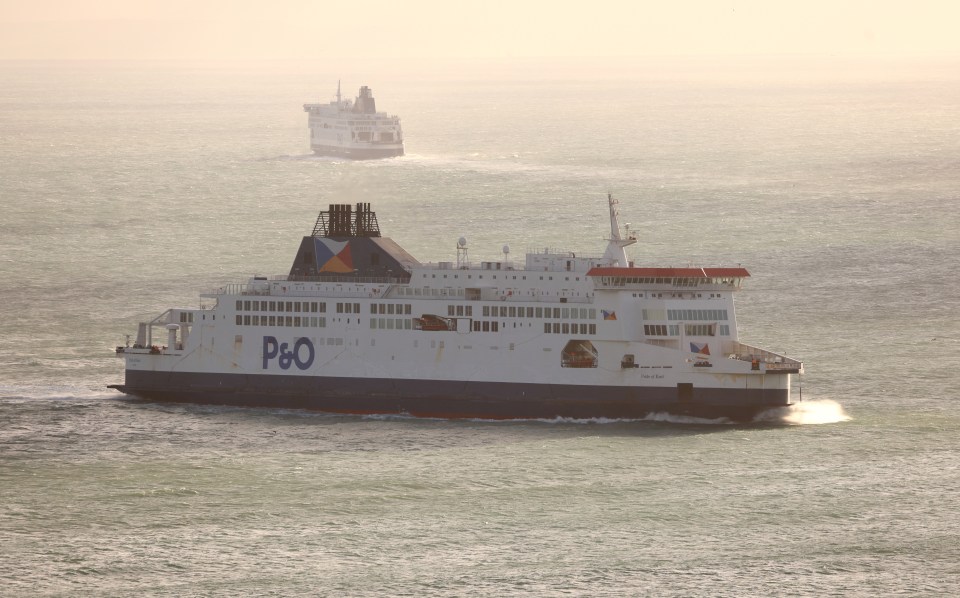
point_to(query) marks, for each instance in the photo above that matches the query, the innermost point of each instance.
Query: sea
(128, 188)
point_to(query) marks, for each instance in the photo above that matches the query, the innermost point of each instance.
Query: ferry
(360, 326)
(353, 128)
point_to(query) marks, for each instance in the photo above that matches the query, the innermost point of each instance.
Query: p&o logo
(301, 354)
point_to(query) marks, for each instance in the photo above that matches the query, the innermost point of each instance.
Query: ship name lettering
(273, 349)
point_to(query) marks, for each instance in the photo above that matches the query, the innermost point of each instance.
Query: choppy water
(126, 189)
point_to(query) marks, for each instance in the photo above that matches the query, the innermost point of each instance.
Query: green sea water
(127, 188)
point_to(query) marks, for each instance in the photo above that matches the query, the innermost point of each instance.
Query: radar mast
(616, 243)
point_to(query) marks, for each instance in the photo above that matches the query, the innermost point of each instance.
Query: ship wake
(673, 418)
(823, 411)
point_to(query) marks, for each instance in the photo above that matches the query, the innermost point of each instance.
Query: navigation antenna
(616, 243)
(462, 262)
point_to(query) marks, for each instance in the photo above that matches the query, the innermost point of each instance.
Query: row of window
(688, 329)
(460, 310)
(566, 313)
(284, 306)
(657, 330)
(697, 314)
(288, 321)
(702, 315)
(406, 324)
(702, 329)
(502, 311)
(369, 123)
(428, 292)
(678, 295)
(620, 281)
(566, 328)
(391, 323)
(391, 309)
(298, 306)
(480, 276)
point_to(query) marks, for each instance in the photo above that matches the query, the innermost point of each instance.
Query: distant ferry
(354, 129)
(359, 326)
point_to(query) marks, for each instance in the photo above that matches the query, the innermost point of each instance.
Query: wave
(503, 163)
(300, 158)
(671, 418)
(559, 420)
(55, 393)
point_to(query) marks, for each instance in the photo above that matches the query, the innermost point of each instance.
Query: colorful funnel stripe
(333, 256)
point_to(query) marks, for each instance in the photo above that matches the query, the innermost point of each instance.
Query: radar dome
(462, 242)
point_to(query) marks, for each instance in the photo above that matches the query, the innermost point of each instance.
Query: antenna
(338, 93)
(616, 243)
(462, 261)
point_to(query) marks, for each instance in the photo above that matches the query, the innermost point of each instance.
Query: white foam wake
(822, 411)
(685, 419)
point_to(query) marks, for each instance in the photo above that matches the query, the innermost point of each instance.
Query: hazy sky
(489, 29)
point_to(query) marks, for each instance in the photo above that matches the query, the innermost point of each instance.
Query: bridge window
(699, 329)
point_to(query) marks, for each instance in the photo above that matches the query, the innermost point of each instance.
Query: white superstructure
(353, 128)
(360, 326)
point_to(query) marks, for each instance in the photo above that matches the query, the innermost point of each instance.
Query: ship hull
(357, 153)
(450, 399)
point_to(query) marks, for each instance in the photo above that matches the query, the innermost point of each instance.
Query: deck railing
(771, 360)
(388, 288)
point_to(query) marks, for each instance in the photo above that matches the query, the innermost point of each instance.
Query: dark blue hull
(446, 399)
(357, 153)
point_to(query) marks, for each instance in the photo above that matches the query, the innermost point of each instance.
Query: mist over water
(128, 189)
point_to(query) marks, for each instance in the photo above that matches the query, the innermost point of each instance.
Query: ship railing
(243, 290)
(672, 284)
(755, 355)
(394, 287)
(239, 288)
(558, 252)
(342, 279)
(145, 343)
(267, 287)
(493, 298)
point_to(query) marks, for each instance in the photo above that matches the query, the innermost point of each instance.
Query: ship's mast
(338, 93)
(616, 243)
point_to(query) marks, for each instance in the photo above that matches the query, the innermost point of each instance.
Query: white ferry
(360, 326)
(354, 129)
